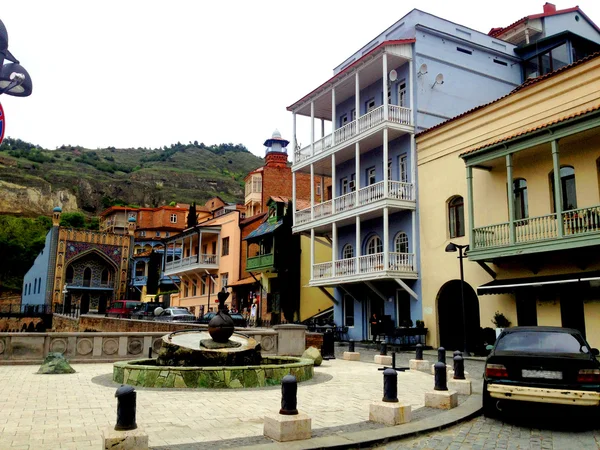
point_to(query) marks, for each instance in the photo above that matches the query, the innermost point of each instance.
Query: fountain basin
(145, 372)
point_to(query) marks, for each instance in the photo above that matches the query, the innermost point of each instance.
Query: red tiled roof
(526, 84)
(536, 128)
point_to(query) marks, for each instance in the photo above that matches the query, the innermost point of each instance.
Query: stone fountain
(219, 358)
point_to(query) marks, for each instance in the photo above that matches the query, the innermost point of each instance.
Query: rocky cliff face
(18, 199)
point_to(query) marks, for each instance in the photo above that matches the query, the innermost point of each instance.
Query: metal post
(419, 355)
(440, 377)
(390, 386)
(383, 350)
(351, 345)
(462, 298)
(459, 367)
(126, 405)
(393, 360)
(289, 391)
(457, 352)
(442, 355)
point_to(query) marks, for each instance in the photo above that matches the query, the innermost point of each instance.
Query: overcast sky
(150, 73)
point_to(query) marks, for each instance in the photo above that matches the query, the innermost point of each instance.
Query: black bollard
(289, 390)
(440, 377)
(459, 367)
(150, 352)
(393, 360)
(419, 355)
(442, 355)
(126, 405)
(390, 386)
(457, 352)
(383, 350)
(328, 348)
(351, 345)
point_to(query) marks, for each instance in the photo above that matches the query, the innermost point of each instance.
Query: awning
(264, 228)
(512, 284)
(243, 281)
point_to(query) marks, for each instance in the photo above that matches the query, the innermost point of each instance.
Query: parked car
(175, 315)
(238, 319)
(146, 310)
(122, 308)
(547, 365)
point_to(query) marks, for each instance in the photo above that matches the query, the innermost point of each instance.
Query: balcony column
(322, 128)
(312, 253)
(411, 91)
(333, 181)
(334, 247)
(191, 243)
(294, 143)
(511, 200)
(312, 128)
(385, 163)
(413, 185)
(557, 189)
(357, 172)
(357, 252)
(333, 116)
(386, 238)
(312, 192)
(357, 97)
(470, 205)
(294, 199)
(385, 87)
(199, 245)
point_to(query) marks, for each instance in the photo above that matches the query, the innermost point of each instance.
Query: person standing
(374, 320)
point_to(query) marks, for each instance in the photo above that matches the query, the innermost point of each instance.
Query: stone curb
(367, 438)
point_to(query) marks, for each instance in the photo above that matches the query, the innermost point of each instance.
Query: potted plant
(501, 322)
(420, 324)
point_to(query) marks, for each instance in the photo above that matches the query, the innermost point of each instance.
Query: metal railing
(202, 259)
(24, 309)
(67, 310)
(398, 262)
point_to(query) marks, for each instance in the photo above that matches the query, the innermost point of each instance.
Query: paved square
(70, 411)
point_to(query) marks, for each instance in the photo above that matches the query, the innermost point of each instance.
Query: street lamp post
(451, 247)
(14, 79)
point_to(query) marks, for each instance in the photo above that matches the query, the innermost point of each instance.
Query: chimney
(549, 8)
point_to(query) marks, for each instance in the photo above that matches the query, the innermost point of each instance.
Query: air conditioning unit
(352, 185)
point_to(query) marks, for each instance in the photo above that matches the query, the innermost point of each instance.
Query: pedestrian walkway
(70, 411)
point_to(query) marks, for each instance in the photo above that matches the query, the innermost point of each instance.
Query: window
(456, 217)
(224, 280)
(194, 289)
(390, 169)
(158, 234)
(35, 286)
(567, 187)
(343, 120)
(225, 246)
(318, 188)
(374, 245)
(402, 169)
(547, 62)
(203, 286)
(104, 277)
(464, 50)
(371, 176)
(353, 114)
(521, 206)
(87, 277)
(402, 93)
(347, 251)
(69, 275)
(214, 248)
(185, 290)
(173, 218)
(140, 269)
(142, 234)
(344, 185)
(167, 234)
(205, 249)
(401, 243)
(369, 105)
(348, 311)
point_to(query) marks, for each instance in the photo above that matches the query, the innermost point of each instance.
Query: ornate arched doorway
(450, 316)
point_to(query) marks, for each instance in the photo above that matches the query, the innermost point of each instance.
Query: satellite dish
(158, 311)
(439, 79)
(393, 75)
(423, 69)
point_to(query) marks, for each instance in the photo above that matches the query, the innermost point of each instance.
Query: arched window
(374, 245)
(401, 243)
(69, 275)
(456, 217)
(104, 277)
(87, 277)
(348, 251)
(567, 188)
(520, 200)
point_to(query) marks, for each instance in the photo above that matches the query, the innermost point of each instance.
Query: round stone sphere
(221, 327)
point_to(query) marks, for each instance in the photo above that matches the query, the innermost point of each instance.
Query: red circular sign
(2, 123)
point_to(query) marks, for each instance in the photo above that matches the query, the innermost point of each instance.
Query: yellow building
(528, 206)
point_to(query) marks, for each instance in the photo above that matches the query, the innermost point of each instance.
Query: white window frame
(403, 168)
(370, 105)
(389, 169)
(400, 240)
(344, 186)
(371, 176)
(374, 245)
(348, 251)
(402, 93)
(173, 218)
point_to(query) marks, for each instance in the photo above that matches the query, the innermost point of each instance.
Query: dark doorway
(526, 307)
(450, 317)
(571, 309)
(85, 304)
(102, 304)
(403, 308)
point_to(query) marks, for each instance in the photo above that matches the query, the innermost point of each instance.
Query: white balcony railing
(397, 190)
(576, 222)
(396, 114)
(367, 264)
(192, 261)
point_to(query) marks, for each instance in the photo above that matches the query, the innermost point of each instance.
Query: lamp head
(15, 80)
(450, 247)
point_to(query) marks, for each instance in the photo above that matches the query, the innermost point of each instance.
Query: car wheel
(488, 403)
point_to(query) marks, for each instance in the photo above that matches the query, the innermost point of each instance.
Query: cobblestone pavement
(70, 411)
(484, 433)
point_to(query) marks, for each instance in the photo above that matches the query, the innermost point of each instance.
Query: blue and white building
(419, 72)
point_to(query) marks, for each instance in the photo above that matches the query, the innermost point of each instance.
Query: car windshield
(540, 342)
(181, 311)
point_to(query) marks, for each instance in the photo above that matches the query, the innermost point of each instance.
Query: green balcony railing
(260, 262)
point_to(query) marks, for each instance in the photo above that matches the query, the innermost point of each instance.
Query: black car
(238, 319)
(549, 365)
(146, 310)
(175, 315)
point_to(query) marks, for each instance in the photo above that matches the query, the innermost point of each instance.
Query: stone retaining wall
(64, 324)
(314, 340)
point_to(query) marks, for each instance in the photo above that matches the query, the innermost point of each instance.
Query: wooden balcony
(260, 262)
(191, 263)
(576, 228)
